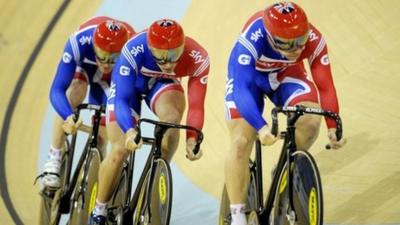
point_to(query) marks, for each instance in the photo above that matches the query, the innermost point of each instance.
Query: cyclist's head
(108, 40)
(166, 41)
(286, 25)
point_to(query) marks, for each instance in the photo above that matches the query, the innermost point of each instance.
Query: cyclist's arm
(197, 87)
(322, 76)
(62, 80)
(124, 76)
(242, 67)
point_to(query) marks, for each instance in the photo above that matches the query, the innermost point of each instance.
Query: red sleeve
(322, 76)
(197, 87)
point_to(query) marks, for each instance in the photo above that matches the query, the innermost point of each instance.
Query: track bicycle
(77, 194)
(295, 194)
(151, 201)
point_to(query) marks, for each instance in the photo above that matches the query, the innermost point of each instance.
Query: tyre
(251, 202)
(161, 199)
(306, 192)
(49, 213)
(84, 197)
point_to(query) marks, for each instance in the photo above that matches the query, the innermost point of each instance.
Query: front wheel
(85, 191)
(161, 198)
(251, 202)
(306, 192)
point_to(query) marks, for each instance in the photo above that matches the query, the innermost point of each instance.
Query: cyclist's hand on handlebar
(265, 136)
(130, 143)
(190, 147)
(70, 126)
(333, 139)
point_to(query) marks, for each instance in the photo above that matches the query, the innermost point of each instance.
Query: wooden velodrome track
(361, 182)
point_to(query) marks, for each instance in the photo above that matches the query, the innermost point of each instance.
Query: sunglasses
(164, 56)
(164, 61)
(105, 57)
(288, 45)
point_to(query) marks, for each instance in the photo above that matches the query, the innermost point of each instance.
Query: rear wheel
(161, 199)
(251, 202)
(307, 192)
(50, 198)
(86, 189)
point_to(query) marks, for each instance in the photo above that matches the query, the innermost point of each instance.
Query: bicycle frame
(150, 165)
(92, 141)
(289, 147)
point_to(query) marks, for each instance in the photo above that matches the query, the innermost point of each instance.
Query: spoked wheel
(161, 199)
(50, 198)
(307, 193)
(86, 189)
(251, 203)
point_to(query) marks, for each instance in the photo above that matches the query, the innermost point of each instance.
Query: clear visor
(105, 57)
(288, 44)
(164, 56)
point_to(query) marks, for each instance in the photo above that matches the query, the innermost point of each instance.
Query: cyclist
(267, 60)
(150, 68)
(88, 58)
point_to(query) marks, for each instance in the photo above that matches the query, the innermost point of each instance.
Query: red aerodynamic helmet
(166, 41)
(165, 34)
(110, 36)
(286, 21)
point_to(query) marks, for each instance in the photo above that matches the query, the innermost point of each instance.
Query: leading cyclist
(267, 61)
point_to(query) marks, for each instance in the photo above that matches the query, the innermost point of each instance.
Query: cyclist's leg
(75, 94)
(109, 169)
(242, 137)
(307, 127)
(112, 163)
(237, 174)
(296, 89)
(166, 99)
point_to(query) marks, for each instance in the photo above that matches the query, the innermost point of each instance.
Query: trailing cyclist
(88, 59)
(150, 68)
(267, 60)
